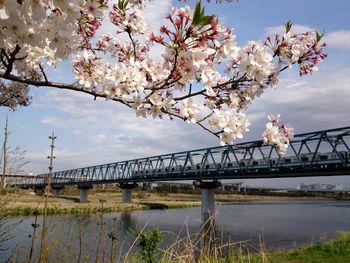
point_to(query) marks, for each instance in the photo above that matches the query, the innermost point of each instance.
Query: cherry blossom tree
(204, 77)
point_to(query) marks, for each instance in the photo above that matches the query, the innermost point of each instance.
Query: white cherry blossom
(190, 110)
(276, 135)
(188, 82)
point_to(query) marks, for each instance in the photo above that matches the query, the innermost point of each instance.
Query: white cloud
(312, 103)
(97, 138)
(64, 158)
(296, 29)
(55, 122)
(77, 132)
(155, 13)
(338, 39)
(109, 132)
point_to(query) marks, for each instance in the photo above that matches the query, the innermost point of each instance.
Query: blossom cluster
(14, 94)
(303, 49)
(233, 125)
(203, 76)
(37, 29)
(277, 134)
(128, 20)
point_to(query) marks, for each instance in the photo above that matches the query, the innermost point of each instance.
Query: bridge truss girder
(321, 153)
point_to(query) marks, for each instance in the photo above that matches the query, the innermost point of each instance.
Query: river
(277, 224)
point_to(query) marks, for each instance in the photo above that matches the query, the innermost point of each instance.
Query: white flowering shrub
(189, 82)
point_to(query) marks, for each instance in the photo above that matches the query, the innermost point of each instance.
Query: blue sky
(93, 132)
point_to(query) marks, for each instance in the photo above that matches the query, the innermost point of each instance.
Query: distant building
(339, 187)
(322, 187)
(232, 187)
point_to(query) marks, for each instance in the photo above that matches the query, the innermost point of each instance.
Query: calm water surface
(284, 224)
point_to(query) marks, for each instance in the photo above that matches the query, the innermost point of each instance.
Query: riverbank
(25, 202)
(336, 251)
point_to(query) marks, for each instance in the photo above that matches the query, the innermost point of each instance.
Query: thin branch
(232, 81)
(59, 85)
(184, 119)
(284, 68)
(216, 134)
(166, 81)
(2, 55)
(206, 117)
(11, 60)
(133, 42)
(43, 72)
(171, 72)
(190, 95)
(3, 102)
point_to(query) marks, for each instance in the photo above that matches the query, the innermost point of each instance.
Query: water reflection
(126, 221)
(278, 224)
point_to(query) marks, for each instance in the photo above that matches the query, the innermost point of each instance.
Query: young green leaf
(319, 36)
(103, 7)
(196, 14)
(288, 26)
(199, 19)
(123, 4)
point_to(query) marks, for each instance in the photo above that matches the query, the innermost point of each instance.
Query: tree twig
(11, 60)
(44, 74)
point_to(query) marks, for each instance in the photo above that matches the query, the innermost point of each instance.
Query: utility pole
(4, 156)
(47, 192)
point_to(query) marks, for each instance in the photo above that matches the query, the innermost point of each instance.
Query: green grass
(28, 211)
(337, 251)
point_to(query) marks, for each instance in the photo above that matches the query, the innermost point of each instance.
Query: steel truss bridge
(18, 178)
(320, 153)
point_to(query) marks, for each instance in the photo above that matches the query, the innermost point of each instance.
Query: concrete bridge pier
(127, 191)
(57, 189)
(208, 199)
(39, 190)
(84, 188)
(208, 242)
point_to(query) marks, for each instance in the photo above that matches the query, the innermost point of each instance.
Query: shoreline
(26, 203)
(334, 250)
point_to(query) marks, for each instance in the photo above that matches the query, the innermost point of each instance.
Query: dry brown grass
(27, 199)
(69, 201)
